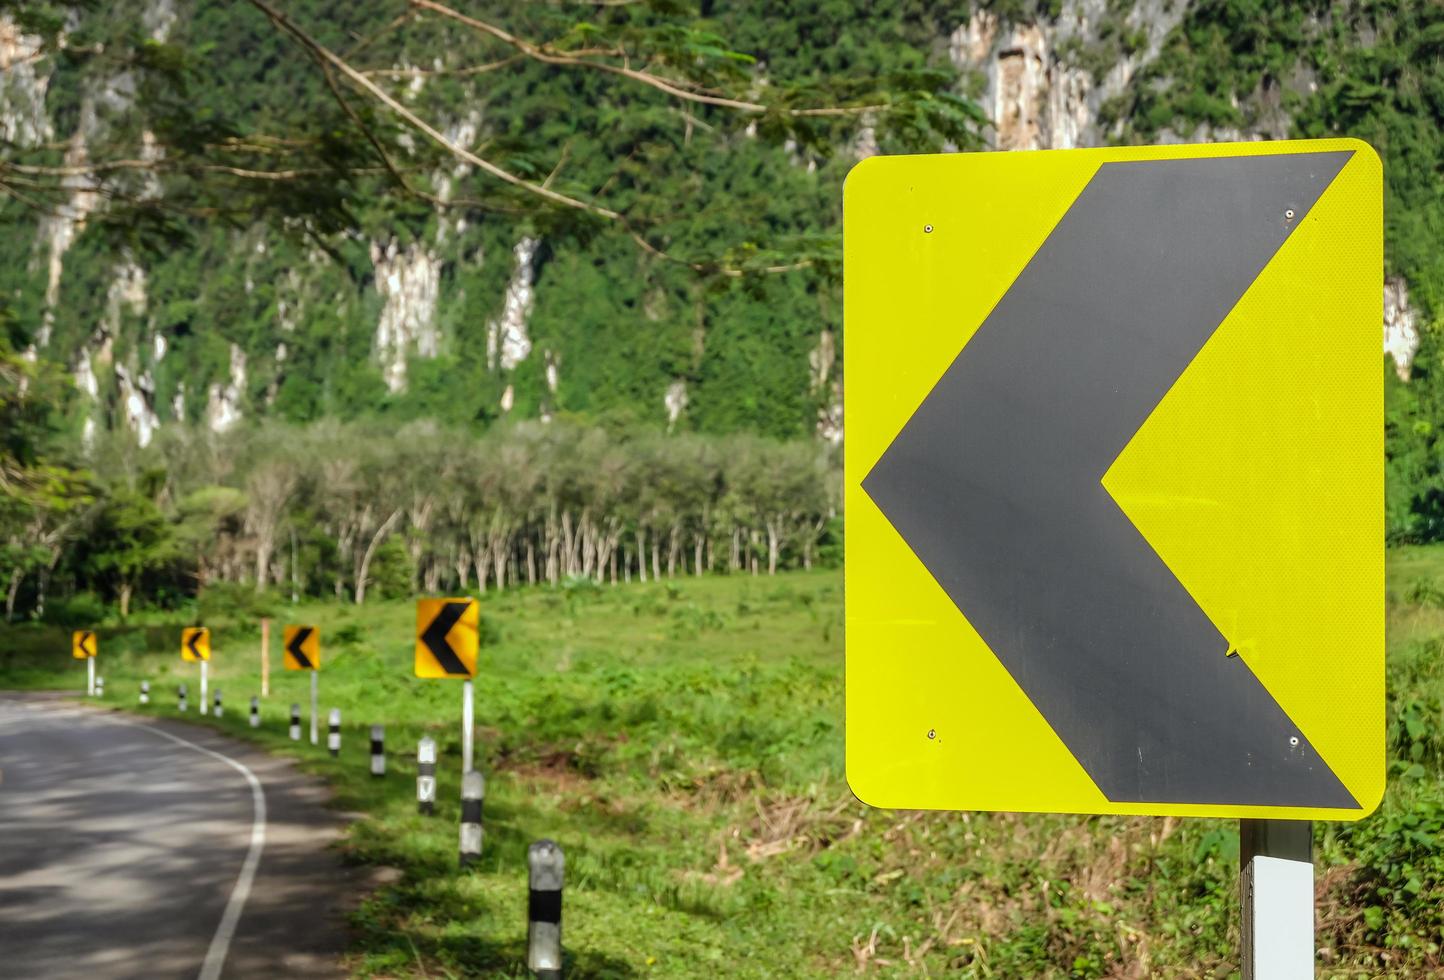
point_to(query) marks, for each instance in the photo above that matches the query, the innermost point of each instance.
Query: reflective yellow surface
(202, 643)
(461, 638)
(310, 646)
(1258, 479)
(82, 640)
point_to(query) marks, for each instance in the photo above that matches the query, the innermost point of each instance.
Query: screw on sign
(1074, 481)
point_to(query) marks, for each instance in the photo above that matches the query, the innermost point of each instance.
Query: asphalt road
(138, 848)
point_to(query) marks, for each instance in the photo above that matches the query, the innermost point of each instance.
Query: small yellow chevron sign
(446, 637)
(195, 643)
(1114, 480)
(303, 648)
(83, 644)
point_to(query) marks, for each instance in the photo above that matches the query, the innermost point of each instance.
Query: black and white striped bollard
(333, 732)
(426, 775)
(182, 700)
(378, 750)
(145, 692)
(545, 865)
(218, 703)
(99, 686)
(255, 712)
(295, 723)
(473, 788)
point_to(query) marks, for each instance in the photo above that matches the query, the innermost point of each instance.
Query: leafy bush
(83, 609)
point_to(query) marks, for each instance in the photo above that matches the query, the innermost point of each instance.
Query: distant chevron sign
(446, 638)
(195, 643)
(1114, 481)
(302, 648)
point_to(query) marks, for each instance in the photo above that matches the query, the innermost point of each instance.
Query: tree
(129, 537)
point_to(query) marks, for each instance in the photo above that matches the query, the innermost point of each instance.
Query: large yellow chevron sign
(1114, 480)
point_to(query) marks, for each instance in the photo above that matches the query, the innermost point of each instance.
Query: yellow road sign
(303, 648)
(1114, 480)
(195, 643)
(446, 640)
(83, 644)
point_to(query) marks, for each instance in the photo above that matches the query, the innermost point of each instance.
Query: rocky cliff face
(468, 293)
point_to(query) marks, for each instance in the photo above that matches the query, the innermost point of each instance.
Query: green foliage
(682, 740)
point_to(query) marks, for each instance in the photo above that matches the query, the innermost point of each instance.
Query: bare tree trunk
(125, 590)
(364, 568)
(627, 565)
(295, 571)
(641, 554)
(11, 593)
(264, 546)
(774, 545)
(530, 561)
(656, 559)
(614, 566)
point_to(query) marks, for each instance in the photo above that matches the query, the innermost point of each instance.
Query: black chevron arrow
(995, 482)
(435, 637)
(191, 642)
(85, 639)
(294, 647)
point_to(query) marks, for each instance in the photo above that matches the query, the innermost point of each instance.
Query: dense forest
(346, 244)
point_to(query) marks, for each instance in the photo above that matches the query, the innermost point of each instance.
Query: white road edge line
(231, 917)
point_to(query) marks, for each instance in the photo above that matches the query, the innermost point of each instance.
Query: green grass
(683, 742)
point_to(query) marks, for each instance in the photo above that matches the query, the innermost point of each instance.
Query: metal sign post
(1276, 888)
(468, 724)
(315, 684)
(204, 665)
(90, 676)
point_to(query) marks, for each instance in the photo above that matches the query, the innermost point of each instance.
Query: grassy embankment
(683, 742)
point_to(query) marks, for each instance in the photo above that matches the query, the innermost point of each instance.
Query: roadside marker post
(333, 733)
(218, 702)
(545, 869)
(426, 775)
(99, 685)
(255, 712)
(1075, 477)
(83, 646)
(145, 692)
(446, 647)
(196, 647)
(378, 750)
(473, 790)
(295, 722)
(181, 699)
(301, 650)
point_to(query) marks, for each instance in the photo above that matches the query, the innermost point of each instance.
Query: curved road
(132, 848)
